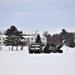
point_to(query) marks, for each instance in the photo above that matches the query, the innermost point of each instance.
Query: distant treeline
(65, 37)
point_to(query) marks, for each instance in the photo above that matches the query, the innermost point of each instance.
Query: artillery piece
(53, 48)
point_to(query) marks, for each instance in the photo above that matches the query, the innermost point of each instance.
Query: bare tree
(45, 34)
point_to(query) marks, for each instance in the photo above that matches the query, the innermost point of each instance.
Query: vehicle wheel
(54, 51)
(46, 51)
(60, 51)
(36, 52)
(30, 52)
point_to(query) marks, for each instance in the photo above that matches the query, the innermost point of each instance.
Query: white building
(30, 39)
(2, 39)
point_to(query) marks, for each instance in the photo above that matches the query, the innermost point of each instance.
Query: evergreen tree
(38, 39)
(13, 37)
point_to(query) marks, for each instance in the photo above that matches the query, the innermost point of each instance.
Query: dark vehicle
(53, 48)
(35, 48)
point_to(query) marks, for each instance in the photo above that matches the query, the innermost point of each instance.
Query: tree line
(14, 38)
(65, 37)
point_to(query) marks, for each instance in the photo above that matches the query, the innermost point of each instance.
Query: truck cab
(35, 48)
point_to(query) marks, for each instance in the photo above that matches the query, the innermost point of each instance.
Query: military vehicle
(53, 48)
(35, 48)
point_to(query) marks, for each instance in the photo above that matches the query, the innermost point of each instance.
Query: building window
(0, 38)
(3, 38)
(24, 38)
(3, 42)
(27, 38)
(0, 42)
(31, 38)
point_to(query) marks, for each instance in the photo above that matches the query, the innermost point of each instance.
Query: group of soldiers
(10, 48)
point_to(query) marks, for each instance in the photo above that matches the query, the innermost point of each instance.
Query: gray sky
(42, 15)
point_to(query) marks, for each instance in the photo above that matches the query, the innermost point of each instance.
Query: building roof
(29, 36)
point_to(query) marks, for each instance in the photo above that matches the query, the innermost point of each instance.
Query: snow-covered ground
(21, 63)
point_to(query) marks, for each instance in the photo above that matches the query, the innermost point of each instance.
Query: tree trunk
(16, 47)
(12, 47)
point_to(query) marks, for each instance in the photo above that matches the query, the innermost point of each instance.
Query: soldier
(22, 47)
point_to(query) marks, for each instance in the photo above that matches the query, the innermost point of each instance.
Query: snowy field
(22, 63)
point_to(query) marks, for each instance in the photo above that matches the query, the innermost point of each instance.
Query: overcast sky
(42, 15)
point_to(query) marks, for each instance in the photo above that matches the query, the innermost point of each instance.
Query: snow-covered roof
(30, 36)
(3, 36)
(27, 36)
